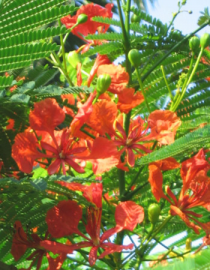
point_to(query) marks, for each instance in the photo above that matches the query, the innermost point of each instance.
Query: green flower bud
(188, 244)
(205, 40)
(135, 18)
(153, 212)
(184, 2)
(194, 44)
(134, 57)
(103, 83)
(82, 18)
(73, 58)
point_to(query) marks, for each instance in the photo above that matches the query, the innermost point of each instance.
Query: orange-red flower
(195, 190)
(26, 150)
(128, 99)
(164, 125)
(132, 143)
(63, 150)
(128, 215)
(156, 177)
(119, 77)
(21, 242)
(103, 116)
(89, 27)
(46, 116)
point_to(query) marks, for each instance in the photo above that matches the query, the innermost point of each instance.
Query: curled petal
(168, 164)
(156, 181)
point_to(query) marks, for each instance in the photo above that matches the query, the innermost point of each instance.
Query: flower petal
(63, 219)
(47, 115)
(111, 248)
(176, 211)
(128, 214)
(93, 255)
(156, 181)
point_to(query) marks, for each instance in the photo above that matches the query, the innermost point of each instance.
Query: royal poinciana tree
(104, 150)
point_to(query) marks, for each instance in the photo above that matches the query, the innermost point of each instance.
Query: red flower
(89, 27)
(198, 183)
(119, 77)
(46, 116)
(103, 158)
(63, 150)
(103, 116)
(127, 216)
(21, 242)
(92, 193)
(128, 99)
(191, 167)
(132, 144)
(26, 150)
(164, 125)
(156, 177)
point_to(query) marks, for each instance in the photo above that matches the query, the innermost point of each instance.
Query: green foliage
(205, 17)
(193, 141)
(28, 33)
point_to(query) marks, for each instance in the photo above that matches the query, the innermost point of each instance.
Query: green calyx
(82, 18)
(134, 57)
(205, 40)
(194, 44)
(103, 83)
(73, 58)
(153, 212)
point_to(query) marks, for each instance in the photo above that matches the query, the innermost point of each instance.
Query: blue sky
(185, 22)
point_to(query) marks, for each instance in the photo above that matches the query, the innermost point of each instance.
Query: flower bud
(153, 212)
(134, 57)
(103, 83)
(73, 58)
(135, 18)
(194, 44)
(205, 40)
(82, 18)
(184, 2)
